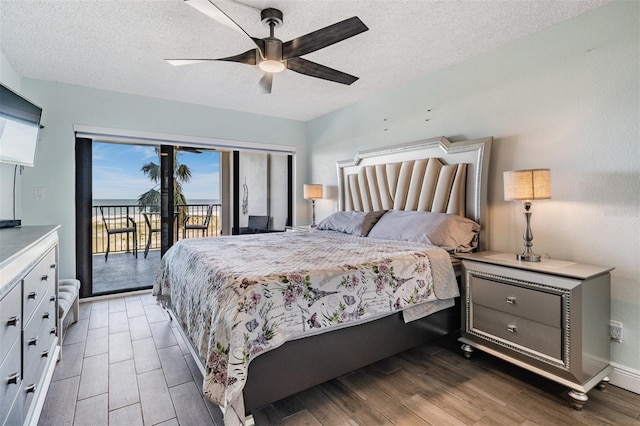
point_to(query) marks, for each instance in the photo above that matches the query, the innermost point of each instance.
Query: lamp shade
(527, 185)
(312, 191)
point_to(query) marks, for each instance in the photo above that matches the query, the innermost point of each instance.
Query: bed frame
(375, 180)
(314, 360)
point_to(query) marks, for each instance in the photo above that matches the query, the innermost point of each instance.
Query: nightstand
(549, 317)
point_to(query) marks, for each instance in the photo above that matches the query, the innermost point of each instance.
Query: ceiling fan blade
(313, 69)
(214, 12)
(323, 37)
(249, 57)
(180, 62)
(264, 86)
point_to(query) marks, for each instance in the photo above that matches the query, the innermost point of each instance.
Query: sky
(117, 175)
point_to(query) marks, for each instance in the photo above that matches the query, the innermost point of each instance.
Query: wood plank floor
(124, 364)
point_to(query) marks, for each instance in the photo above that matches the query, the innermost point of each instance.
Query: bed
(267, 323)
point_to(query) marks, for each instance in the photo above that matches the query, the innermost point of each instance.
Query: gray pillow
(354, 223)
(453, 233)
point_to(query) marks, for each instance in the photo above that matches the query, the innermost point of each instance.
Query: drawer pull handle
(45, 278)
(52, 266)
(31, 388)
(53, 331)
(512, 329)
(52, 298)
(33, 341)
(32, 295)
(14, 320)
(45, 315)
(45, 354)
(511, 300)
(13, 379)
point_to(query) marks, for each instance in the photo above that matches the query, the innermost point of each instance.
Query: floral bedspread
(239, 296)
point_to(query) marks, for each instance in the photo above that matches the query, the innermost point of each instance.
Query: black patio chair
(204, 226)
(256, 225)
(148, 218)
(113, 226)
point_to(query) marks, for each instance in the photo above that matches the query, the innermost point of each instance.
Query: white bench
(68, 301)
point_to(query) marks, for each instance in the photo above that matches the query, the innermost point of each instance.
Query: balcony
(122, 271)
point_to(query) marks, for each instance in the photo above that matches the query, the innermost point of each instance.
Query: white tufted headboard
(429, 175)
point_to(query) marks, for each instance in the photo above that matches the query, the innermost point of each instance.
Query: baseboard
(625, 378)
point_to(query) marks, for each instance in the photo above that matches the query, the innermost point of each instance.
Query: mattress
(239, 296)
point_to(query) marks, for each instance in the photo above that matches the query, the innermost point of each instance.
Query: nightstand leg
(579, 399)
(468, 350)
(603, 384)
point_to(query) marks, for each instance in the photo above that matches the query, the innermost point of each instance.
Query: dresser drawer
(39, 336)
(10, 376)
(10, 319)
(523, 302)
(532, 335)
(16, 412)
(37, 282)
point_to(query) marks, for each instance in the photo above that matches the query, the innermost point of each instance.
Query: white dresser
(550, 317)
(28, 320)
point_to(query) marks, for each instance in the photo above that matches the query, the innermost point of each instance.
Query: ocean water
(134, 202)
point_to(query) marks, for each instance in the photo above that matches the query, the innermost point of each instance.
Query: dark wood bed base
(300, 364)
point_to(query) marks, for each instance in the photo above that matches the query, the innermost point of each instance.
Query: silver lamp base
(313, 214)
(528, 257)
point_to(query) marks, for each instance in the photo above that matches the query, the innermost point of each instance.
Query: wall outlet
(38, 193)
(615, 331)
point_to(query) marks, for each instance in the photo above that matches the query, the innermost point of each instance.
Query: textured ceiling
(120, 45)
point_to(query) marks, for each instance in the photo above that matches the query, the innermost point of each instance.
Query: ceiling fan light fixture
(271, 66)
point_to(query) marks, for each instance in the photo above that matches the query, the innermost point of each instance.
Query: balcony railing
(122, 216)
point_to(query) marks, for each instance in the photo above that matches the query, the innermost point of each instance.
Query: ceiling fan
(272, 56)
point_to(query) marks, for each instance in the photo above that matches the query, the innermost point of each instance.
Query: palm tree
(181, 174)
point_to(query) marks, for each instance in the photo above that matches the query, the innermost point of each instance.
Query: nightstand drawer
(523, 302)
(532, 335)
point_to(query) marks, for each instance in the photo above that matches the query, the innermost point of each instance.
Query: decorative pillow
(354, 223)
(453, 233)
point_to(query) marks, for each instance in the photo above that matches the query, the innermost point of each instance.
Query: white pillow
(453, 233)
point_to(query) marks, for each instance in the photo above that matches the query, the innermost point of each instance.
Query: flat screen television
(19, 127)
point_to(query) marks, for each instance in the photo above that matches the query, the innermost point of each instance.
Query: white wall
(279, 180)
(66, 105)
(566, 98)
(253, 174)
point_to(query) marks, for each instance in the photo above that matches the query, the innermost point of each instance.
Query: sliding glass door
(125, 216)
(132, 203)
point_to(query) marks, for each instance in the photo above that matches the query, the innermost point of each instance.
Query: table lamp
(313, 192)
(527, 186)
